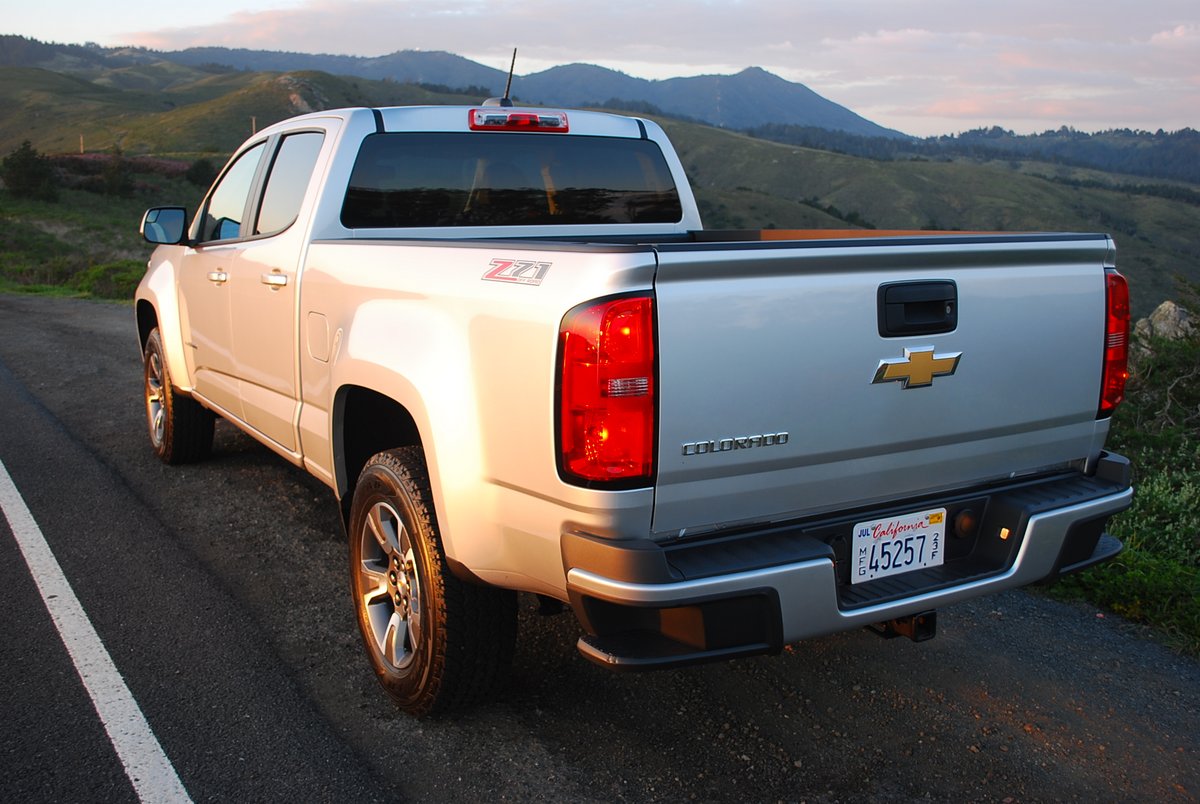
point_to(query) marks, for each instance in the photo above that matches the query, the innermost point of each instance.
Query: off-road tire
(181, 429)
(437, 643)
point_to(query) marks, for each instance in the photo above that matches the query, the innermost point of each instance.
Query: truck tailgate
(775, 401)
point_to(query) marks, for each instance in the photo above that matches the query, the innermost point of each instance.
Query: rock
(1169, 321)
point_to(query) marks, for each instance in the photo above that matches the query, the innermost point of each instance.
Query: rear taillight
(606, 387)
(1116, 343)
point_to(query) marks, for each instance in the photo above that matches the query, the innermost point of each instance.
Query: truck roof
(458, 118)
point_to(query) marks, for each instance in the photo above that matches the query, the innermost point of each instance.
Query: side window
(293, 167)
(222, 218)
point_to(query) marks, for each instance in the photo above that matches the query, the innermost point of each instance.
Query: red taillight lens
(1116, 343)
(606, 392)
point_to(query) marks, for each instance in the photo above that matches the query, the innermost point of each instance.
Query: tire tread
(479, 623)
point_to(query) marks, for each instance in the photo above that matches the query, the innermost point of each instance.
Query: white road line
(153, 777)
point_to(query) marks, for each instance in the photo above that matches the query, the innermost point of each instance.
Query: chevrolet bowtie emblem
(917, 368)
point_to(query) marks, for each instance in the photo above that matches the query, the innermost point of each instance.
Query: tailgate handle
(908, 309)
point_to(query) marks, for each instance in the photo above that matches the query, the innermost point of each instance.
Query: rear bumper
(648, 606)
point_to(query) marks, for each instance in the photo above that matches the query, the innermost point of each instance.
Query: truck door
(204, 277)
(263, 290)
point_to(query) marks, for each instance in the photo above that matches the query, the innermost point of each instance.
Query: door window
(222, 218)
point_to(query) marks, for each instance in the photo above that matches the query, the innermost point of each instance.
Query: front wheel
(181, 430)
(436, 643)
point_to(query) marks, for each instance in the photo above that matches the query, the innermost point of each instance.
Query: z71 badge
(522, 272)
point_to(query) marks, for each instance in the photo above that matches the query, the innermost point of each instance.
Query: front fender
(158, 290)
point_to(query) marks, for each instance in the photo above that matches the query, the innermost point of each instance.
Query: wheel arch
(366, 422)
(147, 320)
(156, 305)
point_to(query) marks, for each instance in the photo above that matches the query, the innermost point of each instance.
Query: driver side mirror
(164, 225)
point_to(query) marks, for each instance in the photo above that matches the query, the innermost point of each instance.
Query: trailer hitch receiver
(917, 627)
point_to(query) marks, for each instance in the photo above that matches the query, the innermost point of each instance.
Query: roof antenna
(506, 100)
(511, 68)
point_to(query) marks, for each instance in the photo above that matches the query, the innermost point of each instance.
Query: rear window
(509, 179)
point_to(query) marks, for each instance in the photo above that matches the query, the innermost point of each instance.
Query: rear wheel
(436, 643)
(181, 430)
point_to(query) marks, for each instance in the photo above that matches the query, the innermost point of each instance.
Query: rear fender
(394, 347)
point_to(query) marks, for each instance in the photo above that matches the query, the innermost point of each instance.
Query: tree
(28, 174)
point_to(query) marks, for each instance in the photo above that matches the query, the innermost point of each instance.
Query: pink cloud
(1179, 36)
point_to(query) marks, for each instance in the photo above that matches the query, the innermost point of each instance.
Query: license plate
(884, 547)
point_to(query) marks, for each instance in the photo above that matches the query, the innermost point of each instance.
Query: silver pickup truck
(503, 339)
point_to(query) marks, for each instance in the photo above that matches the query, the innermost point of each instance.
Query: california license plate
(904, 543)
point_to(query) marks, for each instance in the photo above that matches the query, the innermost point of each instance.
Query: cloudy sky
(920, 66)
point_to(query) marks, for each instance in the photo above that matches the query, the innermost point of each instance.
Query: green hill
(163, 108)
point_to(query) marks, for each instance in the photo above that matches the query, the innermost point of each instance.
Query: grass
(85, 244)
(51, 248)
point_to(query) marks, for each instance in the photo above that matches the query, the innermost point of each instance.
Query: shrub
(28, 174)
(201, 173)
(1165, 517)
(117, 176)
(110, 280)
(1157, 579)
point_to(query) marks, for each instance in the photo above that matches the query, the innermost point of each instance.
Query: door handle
(913, 309)
(219, 277)
(275, 280)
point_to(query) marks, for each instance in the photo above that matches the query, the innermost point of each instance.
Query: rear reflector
(606, 403)
(503, 120)
(1116, 343)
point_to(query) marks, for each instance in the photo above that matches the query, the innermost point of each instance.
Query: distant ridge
(753, 97)
(729, 101)
(750, 98)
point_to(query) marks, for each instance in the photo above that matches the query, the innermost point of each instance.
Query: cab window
(477, 179)
(288, 181)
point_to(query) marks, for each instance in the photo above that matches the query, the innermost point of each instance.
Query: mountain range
(753, 97)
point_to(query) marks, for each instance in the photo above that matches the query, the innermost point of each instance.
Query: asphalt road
(219, 590)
